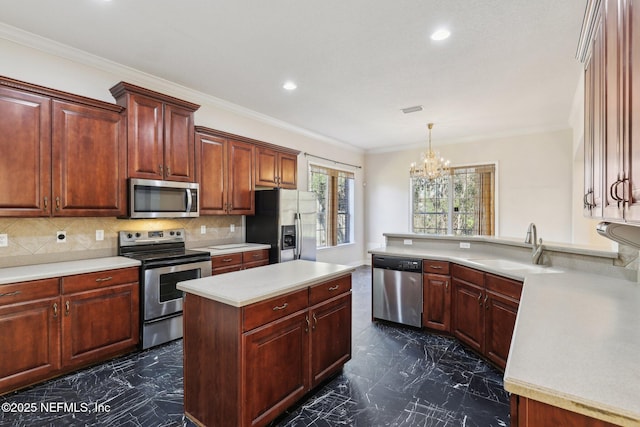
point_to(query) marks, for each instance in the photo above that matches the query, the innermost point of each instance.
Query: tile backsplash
(33, 240)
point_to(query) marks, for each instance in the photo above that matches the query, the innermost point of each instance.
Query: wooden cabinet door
(99, 323)
(211, 155)
(468, 313)
(288, 171)
(500, 320)
(330, 337)
(29, 342)
(436, 311)
(145, 137)
(240, 185)
(632, 110)
(275, 368)
(89, 158)
(266, 167)
(178, 144)
(25, 144)
(533, 413)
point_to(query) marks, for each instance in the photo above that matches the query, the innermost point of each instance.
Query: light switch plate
(232, 228)
(408, 242)
(203, 229)
(4, 240)
(99, 235)
(465, 245)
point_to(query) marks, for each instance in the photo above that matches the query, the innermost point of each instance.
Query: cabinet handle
(256, 255)
(446, 284)
(334, 288)
(55, 309)
(103, 279)
(161, 169)
(227, 260)
(66, 308)
(58, 203)
(480, 300)
(306, 318)
(230, 207)
(485, 302)
(315, 322)
(46, 203)
(436, 267)
(168, 171)
(611, 189)
(281, 307)
(10, 294)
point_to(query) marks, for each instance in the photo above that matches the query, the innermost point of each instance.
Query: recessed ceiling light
(440, 34)
(290, 86)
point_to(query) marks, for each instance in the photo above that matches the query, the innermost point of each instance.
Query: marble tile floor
(397, 377)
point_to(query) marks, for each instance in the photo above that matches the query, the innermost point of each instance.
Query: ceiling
(508, 68)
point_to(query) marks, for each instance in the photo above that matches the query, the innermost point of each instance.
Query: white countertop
(576, 345)
(65, 268)
(232, 248)
(245, 287)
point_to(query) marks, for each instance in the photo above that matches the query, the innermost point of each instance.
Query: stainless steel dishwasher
(397, 289)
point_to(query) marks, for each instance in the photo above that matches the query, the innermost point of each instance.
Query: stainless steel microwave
(163, 199)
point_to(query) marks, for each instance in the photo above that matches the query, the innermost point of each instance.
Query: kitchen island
(256, 341)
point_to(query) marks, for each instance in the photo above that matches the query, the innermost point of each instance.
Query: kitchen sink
(229, 246)
(508, 265)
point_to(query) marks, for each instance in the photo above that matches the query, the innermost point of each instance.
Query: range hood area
(621, 233)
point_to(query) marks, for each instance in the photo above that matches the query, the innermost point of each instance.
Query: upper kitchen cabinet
(225, 165)
(276, 167)
(68, 153)
(160, 134)
(611, 52)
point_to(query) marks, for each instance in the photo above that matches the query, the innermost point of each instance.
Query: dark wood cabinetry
(67, 152)
(239, 261)
(485, 307)
(49, 327)
(612, 59)
(532, 413)
(276, 168)
(160, 134)
(225, 173)
(257, 258)
(298, 339)
(436, 310)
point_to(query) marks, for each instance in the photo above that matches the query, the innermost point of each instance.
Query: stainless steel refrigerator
(286, 220)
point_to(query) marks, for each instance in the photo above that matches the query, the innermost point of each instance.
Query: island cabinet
(67, 152)
(265, 356)
(225, 167)
(527, 412)
(484, 312)
(239, 261)
(436, 282)
(160, 134)
(52, 326)
(276, 168)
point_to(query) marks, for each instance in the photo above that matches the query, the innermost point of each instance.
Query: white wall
(45, 63)
(534, 183)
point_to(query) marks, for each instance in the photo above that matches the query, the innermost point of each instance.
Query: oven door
(161, 298)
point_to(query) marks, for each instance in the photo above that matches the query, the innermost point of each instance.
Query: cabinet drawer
(226, 260)
(226, 269)
(249, 265)
(263, 312)
(29, 291)
(502, 285)
(436, 267)
(254, 256)
(100, 279)
(467, 274)
(326, 290)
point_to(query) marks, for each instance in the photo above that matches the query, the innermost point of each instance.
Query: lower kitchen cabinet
(436, 282)
(52, 326)
(29, 332)
(274, 352)
(239, 261)
(527, 412)
(485, 307)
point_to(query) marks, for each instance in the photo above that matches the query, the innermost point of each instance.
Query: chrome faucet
(536, 245)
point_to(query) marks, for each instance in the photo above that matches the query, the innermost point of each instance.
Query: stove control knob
(129, 235)
(138, 234)
(173, 232)
(178, 233)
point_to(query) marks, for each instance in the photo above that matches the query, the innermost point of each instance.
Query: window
(334, 190)
(460, 203)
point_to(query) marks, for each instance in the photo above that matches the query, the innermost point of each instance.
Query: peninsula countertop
(241, 288)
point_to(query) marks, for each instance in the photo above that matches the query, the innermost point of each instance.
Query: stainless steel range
(165, 262)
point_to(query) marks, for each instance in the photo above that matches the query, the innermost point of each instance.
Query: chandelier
(431, 165)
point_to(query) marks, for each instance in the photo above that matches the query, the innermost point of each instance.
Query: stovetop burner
(158, 246)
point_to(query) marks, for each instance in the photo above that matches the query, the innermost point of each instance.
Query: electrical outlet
(99, 234)
(203, 229)
(4, 240)
(61, 237)
(465, 245)
(232, 228)
(408, 242)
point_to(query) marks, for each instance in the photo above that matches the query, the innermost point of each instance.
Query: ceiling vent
(412, 109)
(621, 233)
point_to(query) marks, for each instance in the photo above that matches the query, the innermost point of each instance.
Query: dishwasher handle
(413, 265)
